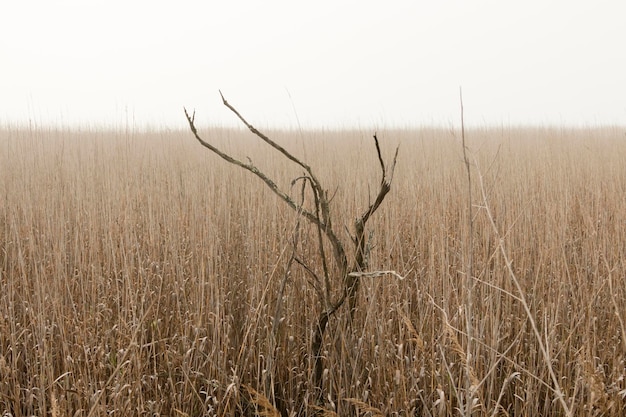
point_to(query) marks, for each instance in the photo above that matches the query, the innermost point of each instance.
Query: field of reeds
(140, 274)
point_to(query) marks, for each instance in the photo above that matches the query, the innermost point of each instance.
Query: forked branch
(319, 217)
(385, 183)
(352, 280)
(270, 142)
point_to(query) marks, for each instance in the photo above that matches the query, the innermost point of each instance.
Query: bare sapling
(338, 281)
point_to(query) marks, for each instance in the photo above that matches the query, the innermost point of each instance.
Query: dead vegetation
(349, 267)
(140, 275)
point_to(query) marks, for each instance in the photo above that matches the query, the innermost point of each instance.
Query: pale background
(315, 64)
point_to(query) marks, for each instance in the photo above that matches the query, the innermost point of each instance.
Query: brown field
(140, 274)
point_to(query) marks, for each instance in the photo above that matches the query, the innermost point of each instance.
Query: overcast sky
(323, 63)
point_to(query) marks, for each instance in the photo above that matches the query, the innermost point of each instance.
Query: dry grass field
(140, 275)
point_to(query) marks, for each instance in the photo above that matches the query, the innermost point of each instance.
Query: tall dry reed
(140, 274)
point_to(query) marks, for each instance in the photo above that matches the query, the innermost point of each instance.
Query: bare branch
(320, 243)
(385, 183)
(324, 201)
(380, 158)
(316, 280)
(253, 169)
(320, 217)
(352, 281)
(324, 220)
(270, 142)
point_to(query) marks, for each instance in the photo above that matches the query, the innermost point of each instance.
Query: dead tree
(349, 273)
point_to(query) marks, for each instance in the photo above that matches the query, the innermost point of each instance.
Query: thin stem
(509, 267)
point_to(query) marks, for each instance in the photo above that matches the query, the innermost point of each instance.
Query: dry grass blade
(415, 337)
(598, 397)
(509, 267)
(375, 274)
(364, 408)
(123, 361)
(261, 403)
(323, 412)
(460, 352)
(507, 381)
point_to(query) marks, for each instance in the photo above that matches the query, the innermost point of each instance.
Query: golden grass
(139, 275)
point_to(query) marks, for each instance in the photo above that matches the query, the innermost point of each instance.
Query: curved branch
(323, 221)
(270, 142)
(253, 169)
(324, 202)
(385, 183)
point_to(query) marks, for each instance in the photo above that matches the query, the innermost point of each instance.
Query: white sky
(323, 63)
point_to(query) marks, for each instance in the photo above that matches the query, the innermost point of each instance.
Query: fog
(321, 64)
